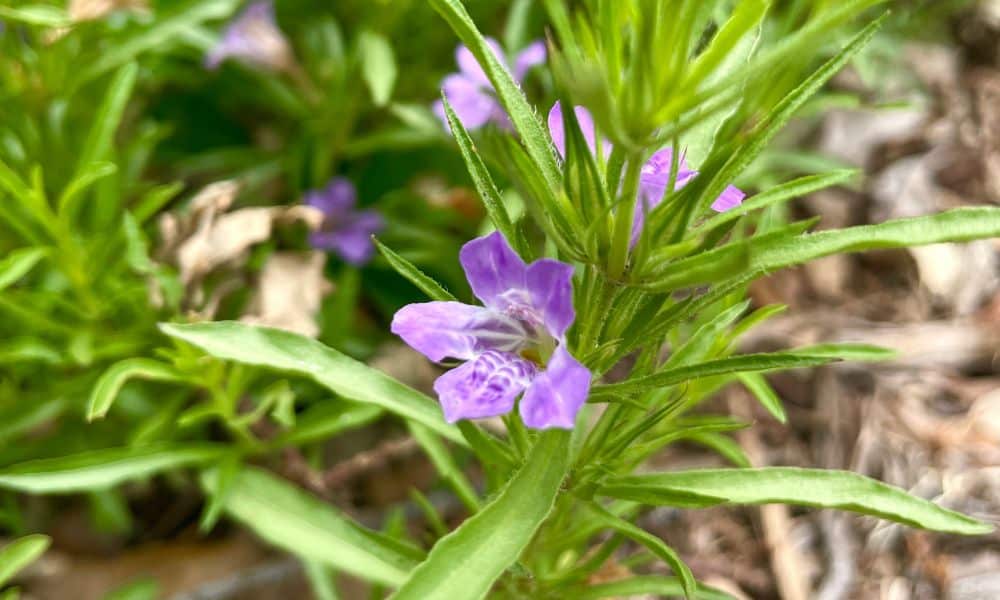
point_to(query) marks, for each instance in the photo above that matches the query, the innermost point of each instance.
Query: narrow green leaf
(287, 351)
(533, 135)
(100, 469)
(320, 580)
(957, 225)
(444, 463)
(17, 264)
(774, 361)
(177, 23)
(326, 420)
(36, 14)
(433, 289)
(480, 175)
(725, 446)
(849, 351)
(108, 117)
(761, 389)
(742, 22)
(781, 193)
(789, 485)
(702, 340)
(651, 542)
(111, 382)
(378, 66)
(219, 489)
(303, 525)
(464, 564)
(644, 585)
(86, 177)
(21, 553)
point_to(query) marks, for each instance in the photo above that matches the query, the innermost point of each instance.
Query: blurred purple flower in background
(528, 309)
(654, 176)
(345, 230)
(470, 92)
(253, 37)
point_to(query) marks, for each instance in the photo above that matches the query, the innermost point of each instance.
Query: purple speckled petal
(731, 197)
(532, 55)
(558, 133)
(335, 200)
(484, 387)
(440, 330)
(469, 67)
(493, 269)
(473, 106)
(550, 287)
(557, 394)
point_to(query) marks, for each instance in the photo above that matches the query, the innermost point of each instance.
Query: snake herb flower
(254, 38)
(470, 92)
(654, 176)
(515, 343)
(344, 230)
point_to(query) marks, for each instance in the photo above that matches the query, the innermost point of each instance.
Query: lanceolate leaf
(464, 564)
(958, 225)
(480, 176)
(109, 115)
(735, 364)
(781, 193)
(767, 397)
(790, 485)
(101, 469)
(522, 115)
(771, 252)
(111, 382)
(433, 289)
(378, 66)
(643, 586)
(650, 541)
(287, 351)
(17, 264)
(21, 553)
(298, 523)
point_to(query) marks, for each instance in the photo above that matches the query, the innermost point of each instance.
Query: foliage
(108, 378)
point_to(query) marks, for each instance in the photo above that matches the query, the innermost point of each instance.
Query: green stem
(624, 216)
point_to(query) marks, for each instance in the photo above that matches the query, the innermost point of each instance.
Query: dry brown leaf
(87, 10)
(289, 292)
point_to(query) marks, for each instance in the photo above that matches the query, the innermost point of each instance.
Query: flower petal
(533, 54)
(557, 394)
(439, 330)
(484, 387)
(352, 239)
(558, 133)
(653, 180)
(731, 197)
(472, 105)
(655, 175)
(492, 268)
(550, 287)
(335, 200)
(469, 67)
(254, 37)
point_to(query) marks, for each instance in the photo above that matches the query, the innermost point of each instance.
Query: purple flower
(346, 231)
(253, 37)
(528, 309)
(654, 175)
(470, 92)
